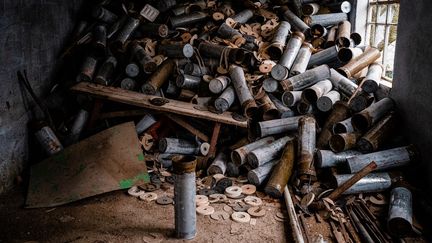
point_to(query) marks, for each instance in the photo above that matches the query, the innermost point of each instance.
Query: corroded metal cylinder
(284, 112)
(268, 108)
(178, 146)
(290, 98)
(187, 19)
(132, 70)
(374, 182)
(243, 16)
(313, 93)
(225, 100)
(327, 158)
(371, 82)
(126, 31)
(318, 32)
(348, 53)
(276, 126)
(281, 70)
(185, 81)
(363, 120)
(195, 69)
(357, 64)
(184, 196)
(46, 137)
(327, 55)
(344, 126)
(99, 39)
(304, 108)
(104, 15)
(306, 79)
(144, 59)
(295, 21)
(339, 6)
(128, 84)
(340, 111)
(400, 216)
(301, 62)
(270, 85)
(326, 102)
(378, 134)
(326, 19)
(227, 32)
(343, 35)
(275, 50)
(159, 77)
(219, 84)
(238, 156)
(176, 50)
(281, 172)
(310, 9)
(105, 72)
(78, 125)
(385, 159)
(343, 141)
(259, 175)
(264, 154)
(219, 165)
(361, 101)
(244, 95)
(87, 69)
(341, 83)
(331, 36)
(152, 29)
(147, 121)
(307, 142)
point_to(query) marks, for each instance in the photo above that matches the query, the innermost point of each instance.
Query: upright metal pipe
(384, 159)
(357, 64)
(327, 158)
(219, 84)
(363, 120)
(343, 84)
(400, 213)
(276, 126)
(307, 142)
(344, 126)
(284, 112)
(144, 59)
(242, 90)
(178, 146)
(238, 156)
(219, 164)
(327, 55)
(326, 19)
(301, 62)
(290, 98)
(378, 134)
(306, 79)
(105, 72)
(185, 81)
(87, 69)
(371, 82)
(187, 19)
(275, 50)
(326, 102)
(340, 111)
(184, 196)
(264, 154)
(159, 77)
(343, 35)
(281, 70)
(374, 182)
(317, 90)
(225, 100)
(295, 21)
(343, 141)
(282, 172)
(147, 121)
(259, 175)
(348, 53)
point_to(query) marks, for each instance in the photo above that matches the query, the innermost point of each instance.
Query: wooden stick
(188, 127)
(115, 114)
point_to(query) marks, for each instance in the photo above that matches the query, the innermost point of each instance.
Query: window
(381, 31)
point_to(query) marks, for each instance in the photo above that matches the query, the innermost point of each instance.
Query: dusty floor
(117, 217)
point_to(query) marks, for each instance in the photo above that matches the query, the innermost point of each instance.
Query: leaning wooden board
(143, 100)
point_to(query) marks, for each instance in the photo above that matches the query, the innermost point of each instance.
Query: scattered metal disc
(220, 215)
(253, 201)
(164, 200)
(149, 187)
(159, 101)
(324, 193)
(233, 191)
(204, 148)
(169, 179)
(280, 215)
(256, 212)
(135, 191)
(240, 207)
(238, 117)
(307, 199)
(201, 200)
(241, 217)
(217, 198)
(206, 192)
(242, 179)
(205, 210)
(148, 196)
(223, 184)
(227, 209)
(248, 189)
(155, 179)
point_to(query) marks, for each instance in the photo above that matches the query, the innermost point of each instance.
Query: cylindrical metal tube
(373, 77)
(326, 19)
(374, 182)
(268, 109)
(78, 125)
(384, 159)
(147, 121)
(264, 154)
(400, 216)
(104, 15)
(343, 35)
(238, 156)
(152, 29)
(290, 98)
(317, 90)
(185, 81)
(270, 85)
(219, 165)
(340, 111)
(243, 16)
(306, 79)
(87, 69)
(46, 138)
(304, 108)
(339, 6)
(219, 84)
(295, 21)
(259, 175)
(348, 53)
(125, 32)
(184, 196)
(227, 32)
(310, 9)
(187, 19)
(106, 70)
(326, 102)
(363, 120)
(282, 172)
(99, 38)
(307, 142)
(357, 64)
(159, 77)
(325, 56)
(195, 69)
(242, 90)
(341, 83)
(356, 38)
(276, 126)
(132, 70)
(343, 141)
(281, 70)
(344, 126)
(225, 100)
(331, 36)
(361, 101)
(178, 146)
(301, 62)
(277, 45)
(144, 59)
(327, 158)
(378, 134)
(176, 50)
(128, 84)
(172, 89)
(318, 32)
(284, 112)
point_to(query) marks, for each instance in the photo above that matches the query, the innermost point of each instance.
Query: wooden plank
(116, 114)
(143, 100)
(188, 127)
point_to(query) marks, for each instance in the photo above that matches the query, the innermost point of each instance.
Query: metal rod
(185, 81)
(178, 146)
(295, 21)
(187, 19)
(275, 50)
(325, 56)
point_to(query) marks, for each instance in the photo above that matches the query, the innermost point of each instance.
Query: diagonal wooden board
(143, 100)
(108, 161)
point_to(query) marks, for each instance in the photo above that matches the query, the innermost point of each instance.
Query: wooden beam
(188, 127)
(143, 100)
(116, 114)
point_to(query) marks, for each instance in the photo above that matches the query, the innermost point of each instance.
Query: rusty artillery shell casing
(178, 146)
(306, 79)
(343, 141)
(295, 21)
(371, 82)
(219, 165)
(348, 53)
(152, 29)
(341, 83)
(340, 111)
(326, 19)
(187, 19)
(384, 159)
(340, 6)
(331, 36)
(87, 69)
(374, 182)
(268, 152)
(227, 32)
(318, 31)
(277, 45)
(185, 81)
(243, 16)
(357, 64)
(400, 216)
(281, 172)
(105, 72)
(46, 137)
(356, 38)
(360, 101)
(147, 121)
(284, 112)
(304, 108)
(225, 100)
(377, 135)
(301, 62)
(270, 85)
(128, 84)
(99, 39)
(276, 126)
(327, 55)
(176, 50)
(310, 9)
(268, 108)
(326, 102)
(327, 158)
(159, 77)
(291, 98)
(307, 139)
(343, 35)
(219, 84)
(132, 70)
(242, 90)
(210, 50)
(195, 70)
(282, 69)
(104, 15)
(126, 31)
(317, 90)
(259, 175)
(238, 156)
(344, 126)
(363, 120)
(144, 59)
